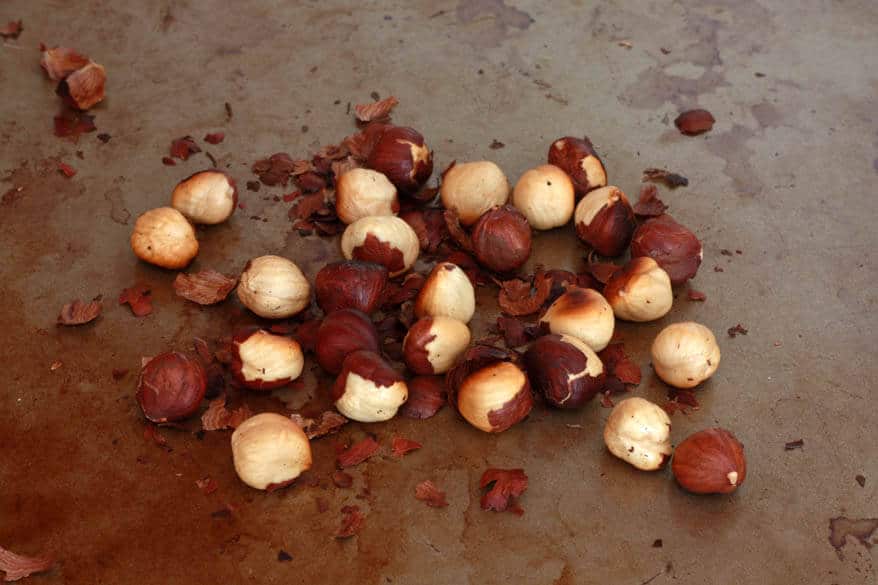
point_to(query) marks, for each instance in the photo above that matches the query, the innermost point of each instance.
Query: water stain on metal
(118, 212)
(495, 20)
(859, 528)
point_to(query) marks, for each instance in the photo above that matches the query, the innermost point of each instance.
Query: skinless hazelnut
(368, 389)
(447, 292)
(434, 343)
(641, 291)
(273, 287)
(164, 237)
(85, 86)
(207, 197)
(171, 387)
(564, 369)
(342, 333)
(350, 285)
(270, 451)
(403, 157)
(263, 361)
(502, 239)
(495, 397)
(545, 196)
(363, 193)
(675, 248)
(605, 221)
(710, 462)
(685, 354)
(385, 240)
(577, 158)
(582, 313)
(639, 432)
(473, 188)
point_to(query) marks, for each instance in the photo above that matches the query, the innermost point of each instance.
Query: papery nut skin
(206, 197)
(368, 389)
(385, 240)
(171, 387)
(640, 291)
(363, 193)
(164, 237)
(605, 221)
(582, 313)
(577, 158)
(545, 196)
(350, 285)
(710, 462)
(676, 249)
(273, 287)
(433, 344)
(403, 157)
(263, 361)
(685, 354)
(342, 333)
(85, 86)
(502, 239)
(270, 450)
(472, 188)
(447, 292)
(495, 397)
(565, 370)
(639, 432)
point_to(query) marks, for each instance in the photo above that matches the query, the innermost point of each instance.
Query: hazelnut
(639, 432)
(363, 193)
(578, 159)
(564, 369)
(171, 387)
(473, 188)
(447, 292)
(207, 197)
(385, 240)
(263, 361)
(368, 389)
(640, 291)
(85, 86)
(494, 397)
(273, 287)
(605, 221)
(434, 343)
(502, 239)
(583, 313)
(685, 354)
(270, 451)
(165, 238)
(545, 196)
(350, 285)
(710, 462)
(342, 333)
(675, 248)
(403, 157)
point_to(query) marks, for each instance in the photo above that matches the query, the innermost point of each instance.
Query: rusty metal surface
(787, 176)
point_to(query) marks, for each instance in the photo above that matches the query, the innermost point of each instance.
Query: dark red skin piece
(374, 250)
(350, 285)
(342, 333)
(675, 248)
(505, 485)
(694, 122)
(357, 453)
(415, 347)
(392, 155)
(502, 239)
(366, 364)
(171, 387)
(427, 396)
(549, 362)
(237, 366)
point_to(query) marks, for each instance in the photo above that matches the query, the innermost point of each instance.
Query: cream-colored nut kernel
(545, 196)
(641, 291)
(490, 392)
(265, 361)
(273, 287)
(473, 188)
(639, 432)
(685, 354)
(385, 240)
(447, 292)
(363, 193)
(208, 197)
(582, 313)
(164, 237)
(269, 449)
(365, 401)
(433, 344)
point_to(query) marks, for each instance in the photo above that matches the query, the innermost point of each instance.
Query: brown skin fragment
(84, 88)
(379, 110)
(792, 445)
(617, 363)
(78, 312)
(11, 29)
(504, 486)
(329, 422)
(374, 250)
(649, 205)
(351, 523)
(416, 355)
(427, 492)
(456, 231)
(694, 122)
(70, 123)
(59, 62)
(402, 447)
(669, 179)
(343, 480)
(215, 137)
(695, 295)
(427, 396)
(139, 298)
(19, 566)
(429, 225)
(841, 527)
(357, 453)
(519, 298)
(207, 287)
(737, 330)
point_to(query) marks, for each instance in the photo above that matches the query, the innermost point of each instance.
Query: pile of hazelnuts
(492, 388)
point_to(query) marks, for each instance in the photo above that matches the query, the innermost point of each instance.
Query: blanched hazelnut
(403, 157)
(605, 221)
(640, 291)
(263, 361)
(473, 188)
(350, 285)
(385, 240)
(207, 197)
(341, 333)
(363, 193)
(368, 389)
(564, 369)
(676, 249)
(502, 239)
(171, 387)
(582, 313)
(164, 237)
(270, 451)
(495, 397)
(578, 159)
(434, 343)
(273, 287)
(447, 292)
(545, 196)
(685, 354)
(639, 432)
(710, 462)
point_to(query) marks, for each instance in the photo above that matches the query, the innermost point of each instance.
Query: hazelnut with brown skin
(342, 333)
(447, 292)
(676, 249)
(434, 343)
(710, 462)
(270, 451)
(385, 240)
(605, 221)
(577, 158)
(363, 193)
(164, 237)
(565, 370)
(582, 313)
(545, 196)
(639, 432)
(273, 287)
(495, 397)
(502, 239)
(350, 285)
(640, 291)
(403, 157)
(473, 188)
(368, 389)
(207, 197)
(262, 361)
(685, 354)
(171, 387)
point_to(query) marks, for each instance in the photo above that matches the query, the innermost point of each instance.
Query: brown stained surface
(786, 175)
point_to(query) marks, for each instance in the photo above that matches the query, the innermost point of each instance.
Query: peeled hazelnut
(342, 333)
(85, 86)
(263, 361)
(207, 197)
(640, 291)
(675, 248)
(350, 285)
(502, 239)
(639, 432)
(495, 397)
(447, 292)
(545, 196)
(363, 193)
(685, 354)
(578, 159)
(473, 188)
(385, 240)
(710, 462)
(434, 343)
(273, 287)
(564, 369)
(605, 221)
(164, 237)
(582, 313)
(368, 389)
(403, 157)
(270, 451)
(171, 387)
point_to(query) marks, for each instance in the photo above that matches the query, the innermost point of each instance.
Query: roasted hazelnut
(363, 193)
(564, 369)
(350, 285)
(434, 343)
(368, 389)
(502, 239)
(582, 313)
(85, 86)
(545, 196)
(273, 287)
(473, 188)
(164, 237)
(710, 462)
(447, 292)
(171, 387)
(263, 361)
(402, 156)
(675, 248)
(495, 397)
(578, 159)
(342, 333)
(270, 451)
(685, 354)
(640, 291)
(639, 432)
(385, 240)
(605, 221)
(207, 197)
